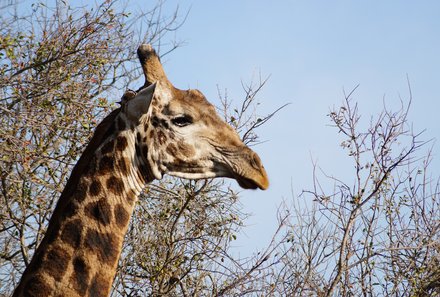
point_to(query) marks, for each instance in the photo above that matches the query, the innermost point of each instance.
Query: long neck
(79, 253)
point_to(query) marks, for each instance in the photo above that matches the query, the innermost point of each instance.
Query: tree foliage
(375, 233)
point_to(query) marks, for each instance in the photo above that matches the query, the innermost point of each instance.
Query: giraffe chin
(253, 184)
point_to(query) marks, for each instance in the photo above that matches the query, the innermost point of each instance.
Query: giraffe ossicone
(157, 130)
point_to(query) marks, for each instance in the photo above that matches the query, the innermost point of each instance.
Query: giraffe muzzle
(252, 173)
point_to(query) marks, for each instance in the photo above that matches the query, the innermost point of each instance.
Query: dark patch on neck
(91, 167)
(100, 211)
(121, 216)
(115, 185)
(80, 278)
(108, 147)
(106, 165)
(81, 191)
(56, 262)
(121, 143)
(51, 237)
(138, 145)
(104, 245)
(95, 188)
(71, 233)
(142, 154)
(71, 209)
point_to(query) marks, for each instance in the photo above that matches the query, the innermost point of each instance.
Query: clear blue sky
(312, 50)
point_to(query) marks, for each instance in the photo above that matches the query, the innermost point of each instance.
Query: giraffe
(158, 130)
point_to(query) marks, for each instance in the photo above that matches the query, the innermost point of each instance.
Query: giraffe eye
(182, 121)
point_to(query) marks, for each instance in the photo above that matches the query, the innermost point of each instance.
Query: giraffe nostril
(255, 161)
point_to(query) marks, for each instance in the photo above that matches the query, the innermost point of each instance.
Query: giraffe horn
(153, 70)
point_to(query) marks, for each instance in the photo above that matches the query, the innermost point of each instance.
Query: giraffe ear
(140, 104)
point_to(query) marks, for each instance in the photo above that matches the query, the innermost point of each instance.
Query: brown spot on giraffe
(52, 236)
(71, 209)
(71, 233)
(144, 172)
(162, 138)
(115, 185)
(185, 149)
(80, 279)
(95, 187)
(106, 165)
(37, 261)
(102, 244)
(108, 147)
(121, 216)
(172, 149)
(56, 262)
(121, 143)
(100, 211)
(81, 191)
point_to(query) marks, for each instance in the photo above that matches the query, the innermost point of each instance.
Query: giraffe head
(179, 132)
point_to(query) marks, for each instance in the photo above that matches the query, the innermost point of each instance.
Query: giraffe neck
(79, 253)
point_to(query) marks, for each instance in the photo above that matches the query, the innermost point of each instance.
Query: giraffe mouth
(255, 180)
(247, 184)
(258, 182)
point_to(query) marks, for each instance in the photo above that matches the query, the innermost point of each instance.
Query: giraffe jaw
(248, 171)
(262, 183)
(256, 182)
